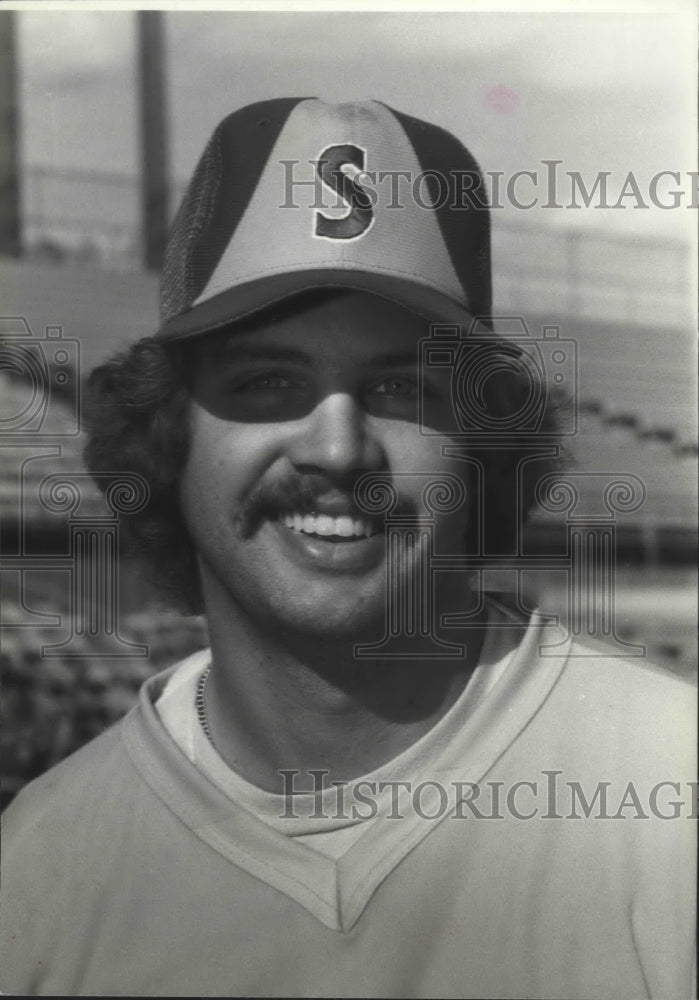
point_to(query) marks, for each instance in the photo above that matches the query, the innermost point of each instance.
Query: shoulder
(99, 777)
(635, 680)
(57, 835)
(56, 798)
(628, 709)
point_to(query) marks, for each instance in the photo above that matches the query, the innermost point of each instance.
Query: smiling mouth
(335, 529)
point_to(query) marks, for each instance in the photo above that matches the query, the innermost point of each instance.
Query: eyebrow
(232, 352)
(396, 358)
(253, 352)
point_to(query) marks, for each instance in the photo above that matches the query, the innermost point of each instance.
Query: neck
(278, 701)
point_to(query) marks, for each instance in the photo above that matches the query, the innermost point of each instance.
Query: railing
(591, 274)
(81, 215)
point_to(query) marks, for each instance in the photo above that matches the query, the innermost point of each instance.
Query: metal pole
(10, 236)
(154, 138)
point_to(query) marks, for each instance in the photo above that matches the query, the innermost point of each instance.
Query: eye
(270, 395)
(267, 382)
(259, 394)
(394, 397)
(396, 386)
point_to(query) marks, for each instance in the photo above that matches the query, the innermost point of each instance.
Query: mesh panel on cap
(217, 196)
(193, 216)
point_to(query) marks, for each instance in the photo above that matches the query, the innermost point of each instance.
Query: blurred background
(103, 117)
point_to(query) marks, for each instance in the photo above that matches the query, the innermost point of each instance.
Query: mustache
(302, 495)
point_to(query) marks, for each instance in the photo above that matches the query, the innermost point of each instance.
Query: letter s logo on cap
(337, 166)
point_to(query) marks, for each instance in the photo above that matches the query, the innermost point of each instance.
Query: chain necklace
(201, 708)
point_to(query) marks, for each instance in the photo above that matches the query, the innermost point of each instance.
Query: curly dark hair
(137, 407)
(136, 417)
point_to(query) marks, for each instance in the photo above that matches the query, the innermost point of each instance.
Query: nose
(337, 438)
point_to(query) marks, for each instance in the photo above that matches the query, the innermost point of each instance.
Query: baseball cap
(296, 193)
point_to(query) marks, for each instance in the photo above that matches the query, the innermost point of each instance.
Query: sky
(599, 91)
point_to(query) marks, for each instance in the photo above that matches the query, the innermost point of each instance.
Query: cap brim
(243, 301)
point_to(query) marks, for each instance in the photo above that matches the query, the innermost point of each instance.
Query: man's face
(284, 420)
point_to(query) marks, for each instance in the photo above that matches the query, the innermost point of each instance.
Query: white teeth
(326, 526)
(344, 527)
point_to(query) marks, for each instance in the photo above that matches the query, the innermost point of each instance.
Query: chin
(326, 624)
(322, 610)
